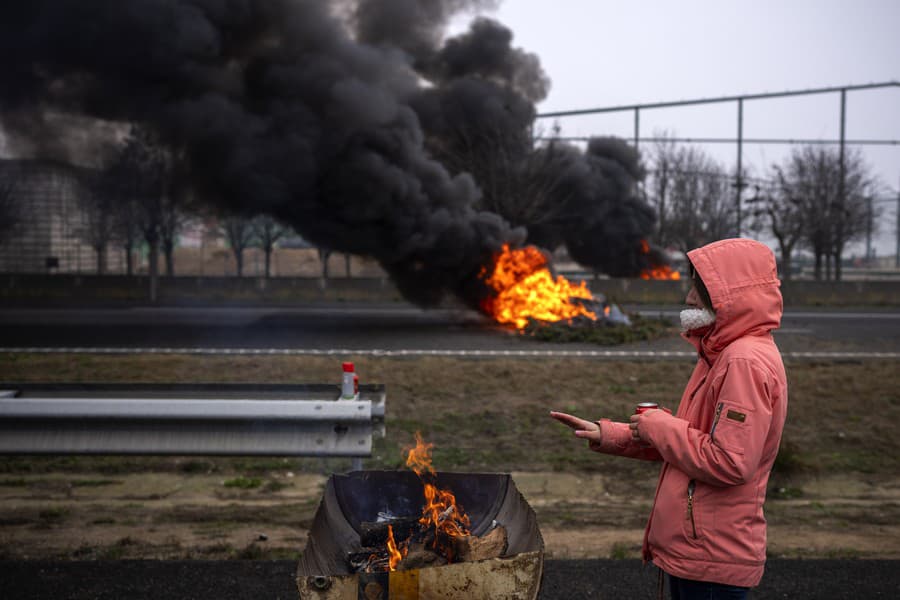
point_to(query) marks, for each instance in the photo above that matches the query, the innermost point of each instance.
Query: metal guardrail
(189, 419)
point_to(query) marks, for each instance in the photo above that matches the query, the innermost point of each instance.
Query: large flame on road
(657, 271)
(526, 290)
(440, 513)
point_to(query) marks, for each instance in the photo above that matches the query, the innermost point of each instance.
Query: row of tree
(141, 198)
(10, 208)
(816, 200)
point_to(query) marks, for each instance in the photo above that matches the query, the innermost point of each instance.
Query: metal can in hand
(645, 406)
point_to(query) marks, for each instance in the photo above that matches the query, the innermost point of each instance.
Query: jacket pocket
(731, 427)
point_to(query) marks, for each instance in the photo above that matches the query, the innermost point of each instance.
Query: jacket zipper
(690, 506)
(692, 484)
(719, 408)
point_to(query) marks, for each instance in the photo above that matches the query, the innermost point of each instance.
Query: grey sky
(603, 53)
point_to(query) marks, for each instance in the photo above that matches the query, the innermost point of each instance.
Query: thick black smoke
(326, 115)
(605, 220)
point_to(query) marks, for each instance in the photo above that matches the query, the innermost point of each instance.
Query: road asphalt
(563, 580)
(389, 328)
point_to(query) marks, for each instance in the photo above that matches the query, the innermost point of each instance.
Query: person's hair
(701, 287)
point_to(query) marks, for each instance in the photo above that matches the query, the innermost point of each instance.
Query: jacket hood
(742, 280)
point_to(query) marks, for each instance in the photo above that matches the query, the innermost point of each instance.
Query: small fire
(657, 271)
(395, 554)
(441, 526)
(526, 289)
(440, 513)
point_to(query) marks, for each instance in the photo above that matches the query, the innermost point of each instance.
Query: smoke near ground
(338, 118)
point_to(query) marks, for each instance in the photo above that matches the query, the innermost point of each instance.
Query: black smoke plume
(341, 118)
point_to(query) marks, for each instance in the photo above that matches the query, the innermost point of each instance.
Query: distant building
(50, 234)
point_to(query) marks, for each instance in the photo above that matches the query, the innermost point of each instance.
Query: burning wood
(439, 536)
(491, 545)
(376, 534)
(420, 549)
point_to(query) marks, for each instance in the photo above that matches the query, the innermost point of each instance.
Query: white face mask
(695, 318)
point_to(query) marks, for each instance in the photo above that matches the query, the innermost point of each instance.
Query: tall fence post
(739, 182)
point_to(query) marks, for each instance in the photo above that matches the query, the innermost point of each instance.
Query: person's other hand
(635, 430)
(587, 430)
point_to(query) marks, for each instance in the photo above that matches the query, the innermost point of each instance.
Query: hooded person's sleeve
(731, 452)
(616, 438)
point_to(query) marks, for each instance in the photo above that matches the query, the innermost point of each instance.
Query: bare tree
(11, 213)
(324, 255)
(267, 232)
(778, 209)
(177, 203)
(663, 155)
(170, 225)
(127, 227)
(121, 185)
(691, 193)
(833, 209)
(238, 231)
(853, 213)
(141, 174)
(97, 202)
(518, 181)
(541, 198)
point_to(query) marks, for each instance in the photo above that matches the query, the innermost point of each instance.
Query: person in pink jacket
(706, 530)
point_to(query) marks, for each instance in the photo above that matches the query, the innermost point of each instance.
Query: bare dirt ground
(176, 516)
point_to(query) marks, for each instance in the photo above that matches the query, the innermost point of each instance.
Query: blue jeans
(688, 589)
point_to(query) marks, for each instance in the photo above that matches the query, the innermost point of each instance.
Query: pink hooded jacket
(707, 520)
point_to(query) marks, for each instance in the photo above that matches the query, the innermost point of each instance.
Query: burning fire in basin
(421, 534)
(524, 289)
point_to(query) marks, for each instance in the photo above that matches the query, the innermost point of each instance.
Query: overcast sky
(602, 53)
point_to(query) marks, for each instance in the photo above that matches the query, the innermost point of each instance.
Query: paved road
(391, 328)
(270, 580)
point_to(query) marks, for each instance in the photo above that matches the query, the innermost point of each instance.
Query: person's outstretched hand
(587, 430)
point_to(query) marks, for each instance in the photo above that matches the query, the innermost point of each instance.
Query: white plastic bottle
(348, 382)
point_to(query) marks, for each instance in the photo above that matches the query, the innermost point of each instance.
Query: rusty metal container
(324, 572)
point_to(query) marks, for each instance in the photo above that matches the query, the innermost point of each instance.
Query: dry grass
(492, 414)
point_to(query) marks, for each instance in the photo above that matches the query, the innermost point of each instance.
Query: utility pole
(897, 250)
(869, 217)
(841, 188)
(637, 127)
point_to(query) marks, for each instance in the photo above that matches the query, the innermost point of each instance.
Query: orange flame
(395, 554)
(419, 458)
(441, 511)
(525, 289)
(657, 271)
